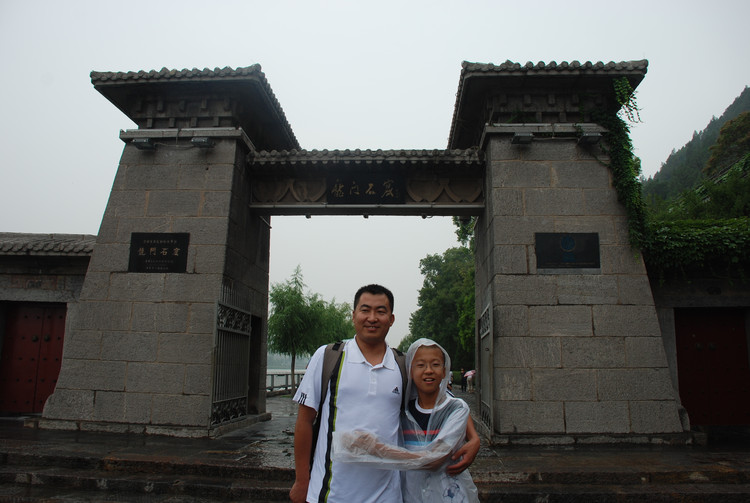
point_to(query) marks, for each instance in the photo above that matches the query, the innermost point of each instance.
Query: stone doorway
(213, 158)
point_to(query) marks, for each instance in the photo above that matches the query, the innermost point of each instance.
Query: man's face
(428, 369)
(372, 318)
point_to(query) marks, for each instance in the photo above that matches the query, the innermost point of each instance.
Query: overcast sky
(348, 75)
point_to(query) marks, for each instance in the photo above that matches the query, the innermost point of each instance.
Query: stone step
(40, 483)
(75, 480)
(595, 493)
(147, 465)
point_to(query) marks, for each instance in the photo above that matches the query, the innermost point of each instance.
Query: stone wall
(576, 354)
(138, 347)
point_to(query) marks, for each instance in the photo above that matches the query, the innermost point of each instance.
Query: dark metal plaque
(365, 188)
(557, 250)
(158, 252)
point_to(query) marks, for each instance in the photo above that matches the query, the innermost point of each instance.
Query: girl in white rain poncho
(433, 426)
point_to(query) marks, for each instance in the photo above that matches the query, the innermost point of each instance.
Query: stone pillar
(577, 354)
(142, 350)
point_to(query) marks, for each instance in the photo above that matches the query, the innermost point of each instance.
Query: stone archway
(174, 304)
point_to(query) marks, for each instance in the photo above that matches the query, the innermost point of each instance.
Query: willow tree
(300, 322)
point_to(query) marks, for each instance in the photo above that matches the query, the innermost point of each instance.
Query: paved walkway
(267, 447)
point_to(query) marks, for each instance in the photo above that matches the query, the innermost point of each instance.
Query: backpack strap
(401, 361)
(331, 358)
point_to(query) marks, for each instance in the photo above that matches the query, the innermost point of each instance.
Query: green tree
(301, 322)
(446, 305)
(731, 146)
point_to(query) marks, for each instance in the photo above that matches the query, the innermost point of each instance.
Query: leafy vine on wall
(713, 248)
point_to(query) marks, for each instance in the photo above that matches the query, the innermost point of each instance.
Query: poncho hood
(411, 390)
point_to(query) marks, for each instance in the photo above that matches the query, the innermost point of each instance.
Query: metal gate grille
(484, 327)
(231, 362)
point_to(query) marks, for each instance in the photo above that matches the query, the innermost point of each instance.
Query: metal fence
(279, 383)
(231, 363)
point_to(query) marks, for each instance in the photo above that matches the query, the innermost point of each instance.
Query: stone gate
(169, 334)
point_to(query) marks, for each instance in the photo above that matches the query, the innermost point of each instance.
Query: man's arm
(466, 454)
(303, 435)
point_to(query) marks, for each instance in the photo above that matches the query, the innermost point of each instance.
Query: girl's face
(428, 369)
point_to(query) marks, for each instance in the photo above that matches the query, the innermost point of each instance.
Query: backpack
(331, 362)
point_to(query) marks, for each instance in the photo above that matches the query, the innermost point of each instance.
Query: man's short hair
(373, 290)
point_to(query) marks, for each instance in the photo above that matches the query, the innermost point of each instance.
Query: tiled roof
(495, 77)
(102, 80)
(563, 68)
(357, 156)
(12, 243)
(184, 74)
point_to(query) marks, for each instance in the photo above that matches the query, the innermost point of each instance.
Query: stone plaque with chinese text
(158, 252)
(365, 188)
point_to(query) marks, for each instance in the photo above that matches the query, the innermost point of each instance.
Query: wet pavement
(264, 452)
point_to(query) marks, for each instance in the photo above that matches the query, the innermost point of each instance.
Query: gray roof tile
(12, 243)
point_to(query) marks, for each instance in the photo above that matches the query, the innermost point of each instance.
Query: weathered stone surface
(507, 202)
(554, 202)
(529, 417)
(580, 175)
(565, 321)
(155, 378)
(512, 384)
(521, 174)
(510, 259)
(601, 202)
(624, 320)
(654, 416)
(174, 203)
(593, 352)
(185, 348)
(198, 379)
(525, 290)
(563, 385)
(101, 316)
(645, 352)
(85, 345)
(595, 417)
(76, 404)
(587, 289)
(186, 410)
(527, 352)
(136, 287)
(620, 259)
(635, 384)
(160, 317)
(92, 375)
(602, 225)
(129, 346)
(511, 321)
(550, 151)
(519, 230)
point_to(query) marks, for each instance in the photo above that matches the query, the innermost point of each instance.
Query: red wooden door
(31, 356)
(712, 363)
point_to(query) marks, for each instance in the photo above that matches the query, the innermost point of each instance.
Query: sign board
(365, 188)
(559, 250)
(158, 252)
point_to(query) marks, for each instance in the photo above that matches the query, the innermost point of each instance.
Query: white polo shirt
(368, 398)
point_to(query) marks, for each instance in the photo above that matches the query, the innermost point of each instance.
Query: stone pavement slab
(260, 458)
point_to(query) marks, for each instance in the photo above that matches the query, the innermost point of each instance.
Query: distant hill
(683, 169)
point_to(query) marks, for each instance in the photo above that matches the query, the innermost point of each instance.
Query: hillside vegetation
(684, 168)
(698, 204)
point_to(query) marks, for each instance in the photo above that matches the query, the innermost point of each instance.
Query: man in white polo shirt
(365, 394)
